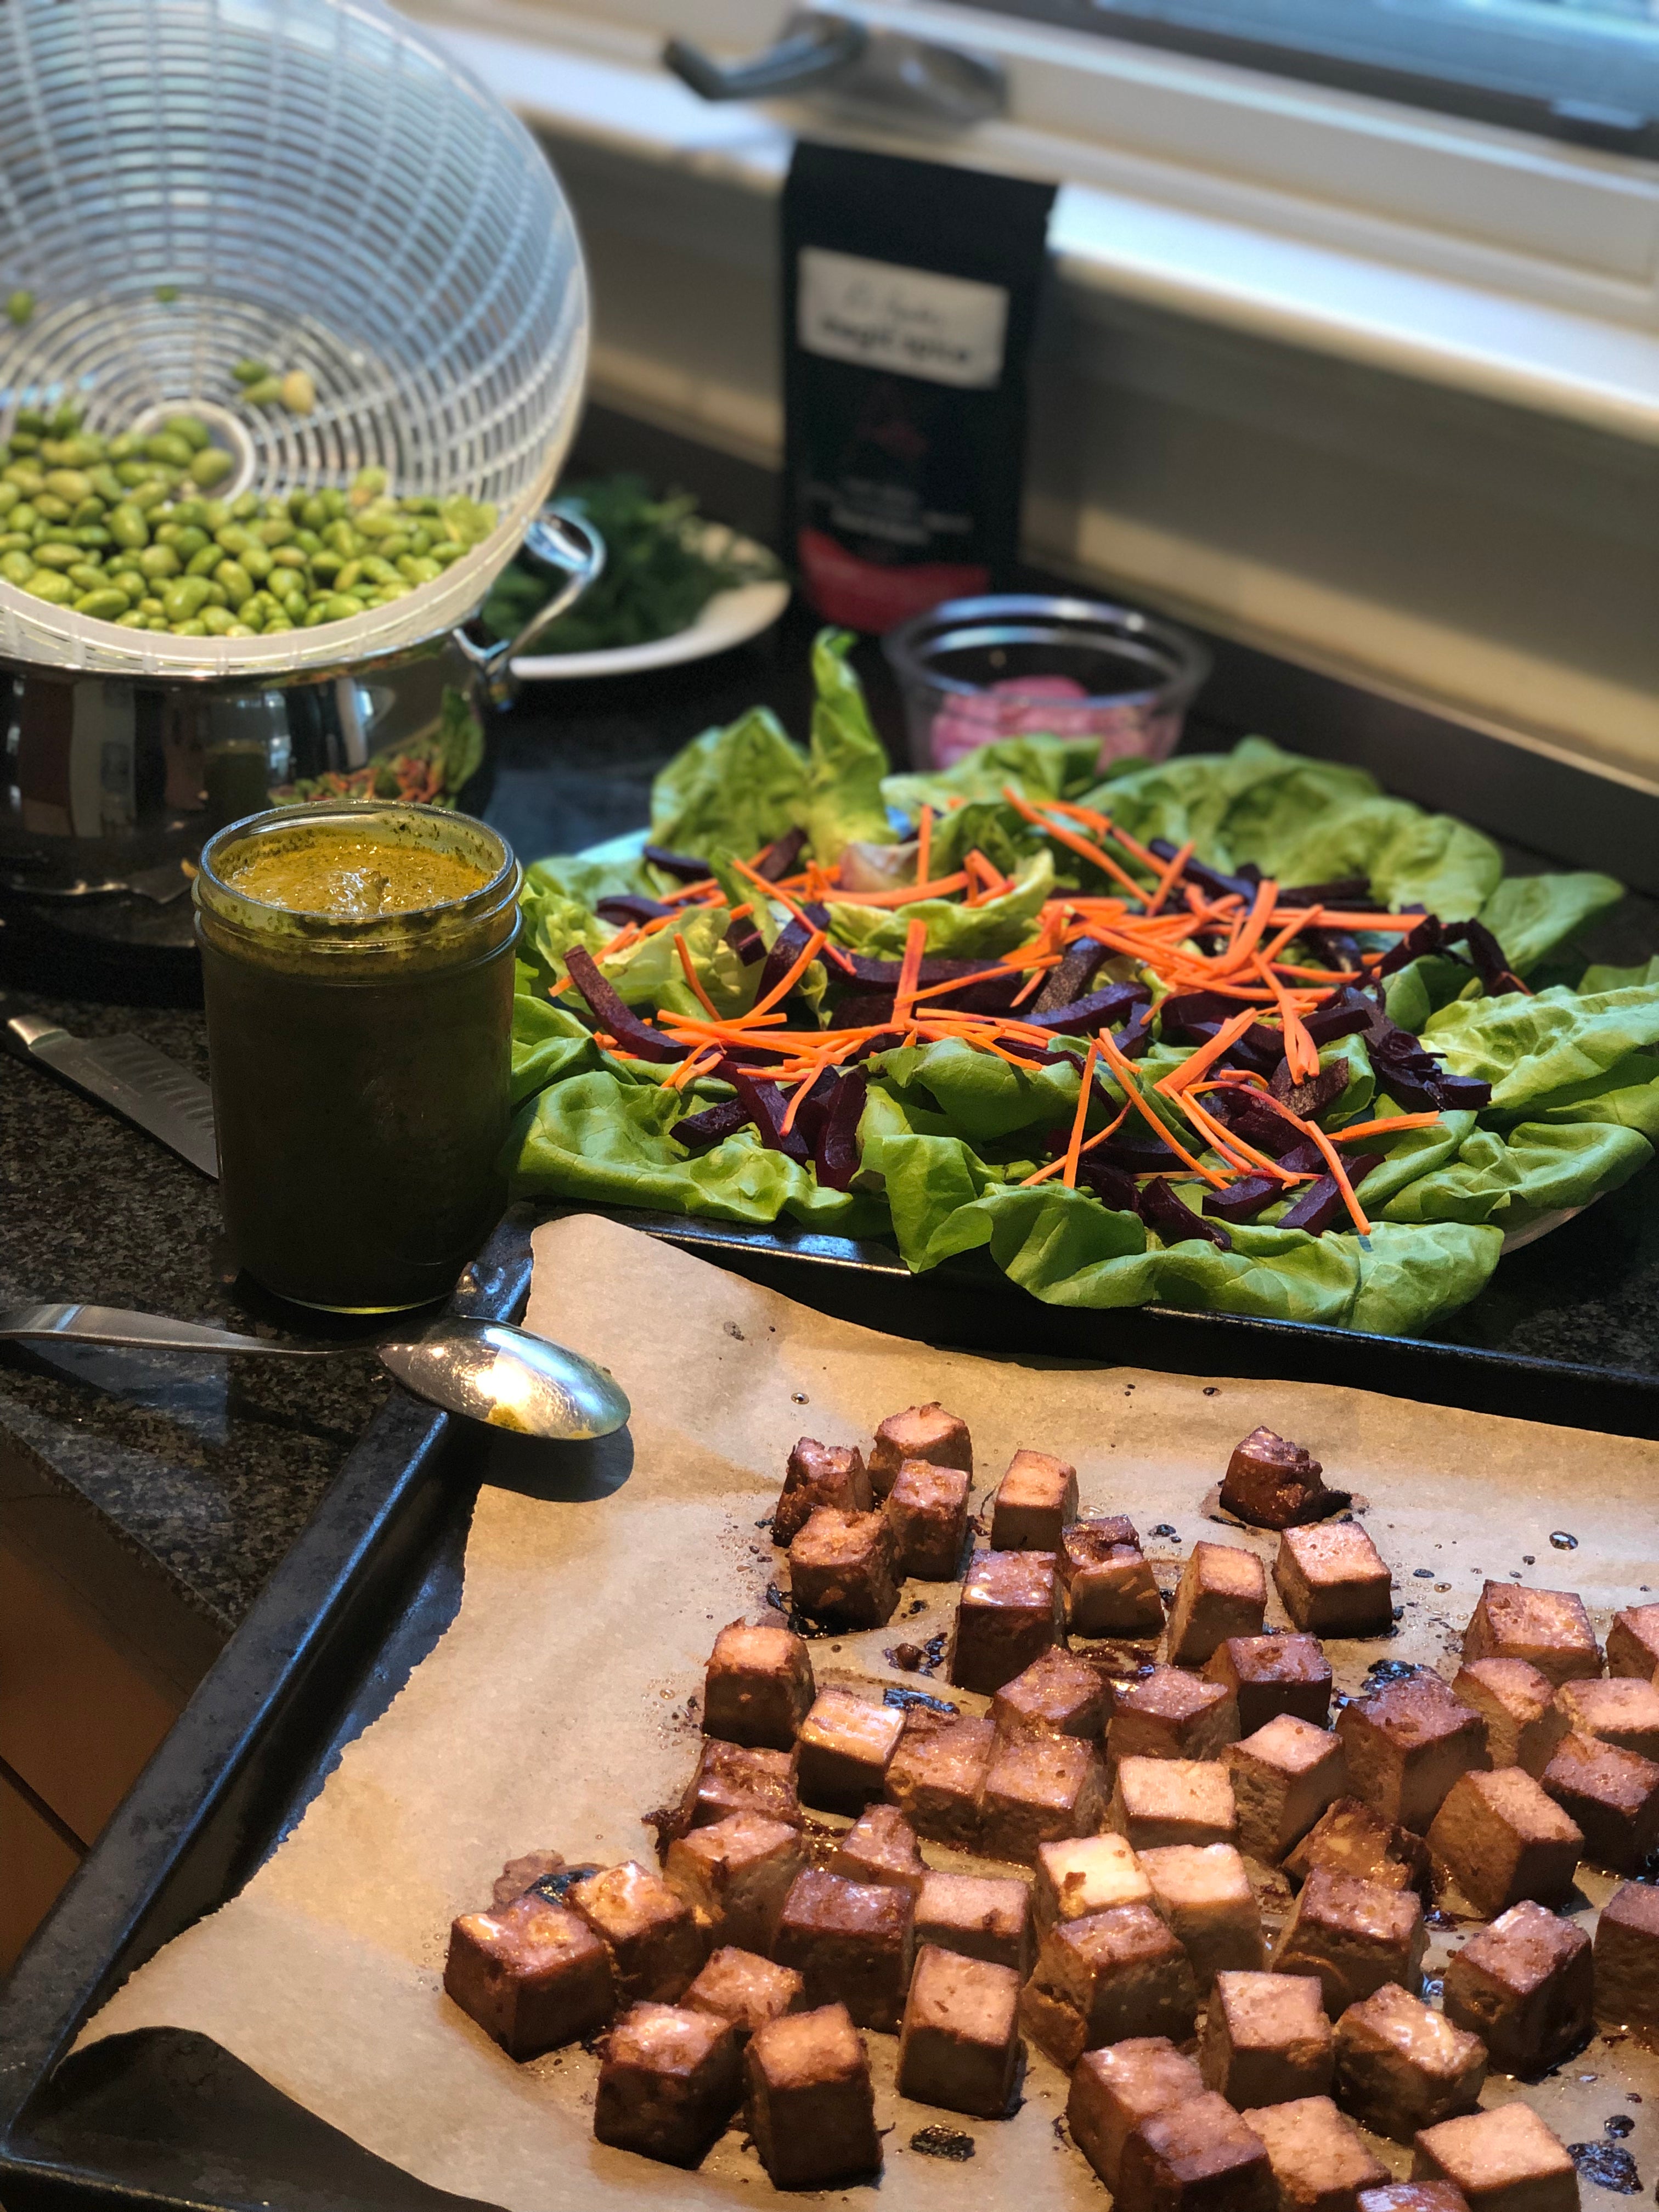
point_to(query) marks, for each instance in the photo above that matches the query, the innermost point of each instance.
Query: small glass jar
(361, 1064)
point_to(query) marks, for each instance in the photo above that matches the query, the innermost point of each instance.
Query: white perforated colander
(326, 191)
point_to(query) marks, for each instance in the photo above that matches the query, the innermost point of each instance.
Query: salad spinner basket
(187, 184)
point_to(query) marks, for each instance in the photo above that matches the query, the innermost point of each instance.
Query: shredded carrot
(1070, 840)
(1385, 1127)
(776, 890)
(906, 895)
(1085, 1091)
(1120, 1069)
(798, 1095)
(924, 843)
(1249, 935)
(1088, 1145)
(689, 1069)
(1167, 881)
(916, 943)
(690, 972)
(1334, 1161)
(1300, 1053)
(1201, 1062)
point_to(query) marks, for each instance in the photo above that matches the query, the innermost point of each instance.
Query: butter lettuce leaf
(1532, 915)
(1038, 768)
(731, 790)
(1538, 1168)
(846, 759)
(964, 933)
(1598, 978)
(1530, 1049)
(1410, 1277)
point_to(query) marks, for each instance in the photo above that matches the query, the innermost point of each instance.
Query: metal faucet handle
(820, 50)
(810, 49)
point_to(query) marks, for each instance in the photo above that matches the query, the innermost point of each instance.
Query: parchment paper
(553, 1711)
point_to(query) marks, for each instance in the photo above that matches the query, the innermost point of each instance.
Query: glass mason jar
(359, 1059)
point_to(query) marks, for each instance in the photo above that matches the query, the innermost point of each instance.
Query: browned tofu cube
(1084, 1875)
(1114, 1974)
(1350, 1838)
(652, 1932)
(1401, 2066)
(1284, 1777)
(1525, 1986)
(1274, 1484)
(819, 1474)
(1355, 1936)
(812, 2110)
(880, 1846)
(981, 1916)
(1006, 1617)
(1334, 1581)
(1057, 1695)
(1223, 1592)
(1500, 1839)
(1413, 2197)
(1195, 2157)
(1626, 1956)
(1038, 1787)
(669, 2081)
(840, 1569)
(1113, 2089)
(959, 2047)
(928, 1512)
(735, 1875)
(731, 1778)
(937, 1774)
(1266, 2038)
(1524, 1724)
(1612, 1795)
(922, 1432)
(1618, 1711)
(534, 1975)
(851, 1944)
(1171, 1714)
(1274, 1674)
(1034, 1501)
(1549, 1629)
(1505, 2160)
(1406, 1744)
(1107, 1583)
(759, 1686)
(847, 1745)
(1633, 1643)
(746, 1989)
(1204, 1893)
(1172, 1801)
(1318, 2160)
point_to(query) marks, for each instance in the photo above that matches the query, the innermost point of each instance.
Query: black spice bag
(910, 292)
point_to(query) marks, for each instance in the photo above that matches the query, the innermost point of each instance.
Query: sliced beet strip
(1069, 982)
(1322, 1201)
(630, 906)
(1174, 1220)
(1352, 892)
(746, 942)
(1461, 1093)
(884, 974)
(1110, 1184)
(682, 865)
(1309, 1100)
(836, 1154)
(699, 1131)
(1213, 880)
(1100, 1010)
(1243, 1202)
(767, 1107)
(1423, 938)
(615, 1019)
(1490, 962)
(788, 946)
(779, 857)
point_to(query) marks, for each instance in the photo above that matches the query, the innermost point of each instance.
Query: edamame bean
(127, 525)
(109, 605)
(47, 584)
(16, 566)
(211, 466)
(20, 305)
(160, 560)
(184, 597)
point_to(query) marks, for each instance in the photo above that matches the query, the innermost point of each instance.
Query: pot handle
(573, 549)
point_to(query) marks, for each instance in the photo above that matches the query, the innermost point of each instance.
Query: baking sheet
(553, 1711)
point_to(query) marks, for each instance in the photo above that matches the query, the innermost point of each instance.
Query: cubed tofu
(1334, 1581)
(959, 2047)
(1612, 1795)
(1195, 2157)
(1549, 1629)
(1525, 1986)
(1618, 1711)
(1524, 1724)
(927, 1510)
(1627, 1958)
(936, 1776)
(841, 1570)
(1057, 1695)
(1355, 1936)
(1504, 2160)
(1223, 1592)
(819, 1474)
(669, 2081)
(534, 1975)
(1267, 2039)
(880, 1846)
(1350, 1838)
(1406, 1744)
(1633, 1643)
(1034, 1501)
(981, 1916)
(1274, 1674)
(1401, 2066)
(746, 1989)
(922, 1432)
(731, 1778)
(1084, 1875)
(1284, 1777)
(1500, 1837)
(1107, 1583)
(1204, 1893)
(1037, 1789)
(1006, 1617)
(1114, 1974)
(1274, 1484)
(759, 1686)
(812, 2110)
(851, 1942)
(735, 1875)
(1413, 2197)
(1171, 1714)
(1113, 2089)
(1318, 2160)
(847, 1745)
(1172, 1801)
(652, 1930)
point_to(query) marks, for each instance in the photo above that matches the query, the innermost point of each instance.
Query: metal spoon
(485, 1371)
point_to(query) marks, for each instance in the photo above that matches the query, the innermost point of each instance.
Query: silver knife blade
(136, 1079)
